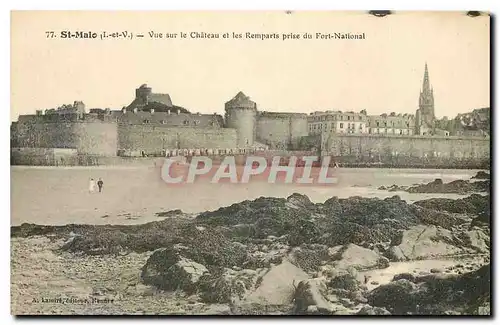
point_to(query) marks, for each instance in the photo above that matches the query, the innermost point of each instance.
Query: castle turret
(143, 93)
(241, 115)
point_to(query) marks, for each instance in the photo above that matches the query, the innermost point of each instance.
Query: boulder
(168, 270)
(360, 258)
(476, 239)
(406, 276)
(346, 282)
(311, 293)
(300, 201)
(420, 242)
(227, 286)
(276, 287)
(395, 296)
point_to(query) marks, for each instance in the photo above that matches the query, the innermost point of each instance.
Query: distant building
(395, 124)
(475, 123)
(146, 100)
(337, 122)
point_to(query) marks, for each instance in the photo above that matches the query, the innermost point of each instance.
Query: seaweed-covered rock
(481, 175)
(310, 257)
(168, 270)
(436, 294)
(457, 186)
(211, 248)
(304, 232)
(473, 204)
(406, 276)
(345, 282)
(437, 218)
(227, 285)
(300, 200)
(396, 295)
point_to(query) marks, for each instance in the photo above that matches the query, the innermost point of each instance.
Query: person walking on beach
(100, 183)
(91, 185)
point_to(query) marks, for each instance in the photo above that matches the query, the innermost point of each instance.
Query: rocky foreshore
(266, 256)
(480, 183)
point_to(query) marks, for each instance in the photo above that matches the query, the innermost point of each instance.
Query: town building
(337, 122)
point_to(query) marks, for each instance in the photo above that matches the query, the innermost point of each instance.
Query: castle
(151, 125)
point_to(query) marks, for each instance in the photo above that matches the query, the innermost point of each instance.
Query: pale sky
(381, 74)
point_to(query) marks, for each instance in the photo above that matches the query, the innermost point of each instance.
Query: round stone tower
(241, 115)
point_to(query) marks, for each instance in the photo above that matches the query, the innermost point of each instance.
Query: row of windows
(341, 125)
(341, 117)
(370, 130)
(185, 122)
(392, 123)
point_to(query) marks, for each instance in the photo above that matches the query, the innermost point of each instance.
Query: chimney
(152, 111)
(135, 109)
(169, 112)
(178, 112)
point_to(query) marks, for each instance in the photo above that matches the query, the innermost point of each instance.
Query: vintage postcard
(250, 163)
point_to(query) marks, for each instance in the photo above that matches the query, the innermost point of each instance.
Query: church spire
(426, 87)
(426, 101)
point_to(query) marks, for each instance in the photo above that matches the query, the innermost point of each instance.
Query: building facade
(337, 122)
(395, 124)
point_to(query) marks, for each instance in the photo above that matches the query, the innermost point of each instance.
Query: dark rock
(481, 175)
(345, 281)
(310, 257)
(406, 276)
(311, 293)
(226, 286)
(359, 297)
(435, 294)
(437, 218)
(397, 295)
(304, 232)
(171, 213)
(436, 270)
(168, 270)
(474, 204)
(393, 188)
(458, 186)
(300, 200)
